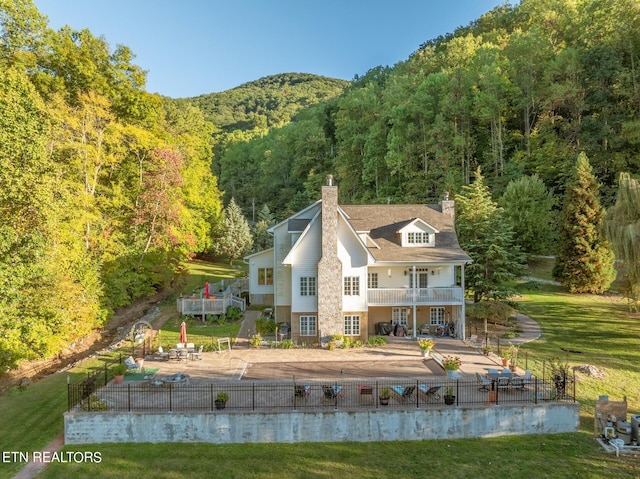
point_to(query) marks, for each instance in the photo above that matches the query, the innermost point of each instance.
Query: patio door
(422, 279)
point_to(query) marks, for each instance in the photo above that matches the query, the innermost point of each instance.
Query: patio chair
(173, 354)
(506, 373)
(429, 392)
(191, 347)
(483, 382)
(516, 383)
(404, 393)
(183, 354)
(161, 354)
(197, 354)
(527, 379)
(503, 382)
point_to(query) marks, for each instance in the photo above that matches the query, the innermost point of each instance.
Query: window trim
(311, 320)
(351, 286)
(267, 279)
(351, 325)
(439, 318)
(372, 280)
(308, 286)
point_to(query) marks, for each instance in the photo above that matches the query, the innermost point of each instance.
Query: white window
(417, 238)
(308, 326)
(265, 276)
(436, 316)
(352, 325)
(308, 286)
(352, 286)
(400, 316)
(372, 280)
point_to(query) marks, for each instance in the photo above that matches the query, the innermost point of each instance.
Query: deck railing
(406, 296)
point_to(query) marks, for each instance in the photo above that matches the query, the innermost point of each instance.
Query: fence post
(535, 390)
(211, 395)
(375, 398)
(129, 397)
(457, 392)
(170, 397)
(253, 396)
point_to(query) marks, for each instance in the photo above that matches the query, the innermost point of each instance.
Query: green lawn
(599, 328)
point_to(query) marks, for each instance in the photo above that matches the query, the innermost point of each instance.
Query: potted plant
(385, 395)
(513, 357)
(221, 400)
(255, 340)
(486, 350)
(449, 398)
(118, 372)
(426, 344)
(451, 364)
(505, 354)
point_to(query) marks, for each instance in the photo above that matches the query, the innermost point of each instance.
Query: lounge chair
(331, 393)
(429, 392)
(131, 363)
(404, 393)
(301, 391)
(483, 382)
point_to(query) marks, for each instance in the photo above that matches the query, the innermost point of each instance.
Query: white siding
(354, 263)
(305, 264)
(282, 245)
(261, 260)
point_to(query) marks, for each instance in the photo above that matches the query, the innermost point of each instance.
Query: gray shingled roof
(384, 221)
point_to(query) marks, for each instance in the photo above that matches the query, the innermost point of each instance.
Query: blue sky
(202, 46)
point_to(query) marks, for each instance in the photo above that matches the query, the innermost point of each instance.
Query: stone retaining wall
(334, 426)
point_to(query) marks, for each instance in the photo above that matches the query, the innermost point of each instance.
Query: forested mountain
(268, 102)
(523, 90)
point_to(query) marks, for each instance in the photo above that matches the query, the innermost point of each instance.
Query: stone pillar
(329, 267)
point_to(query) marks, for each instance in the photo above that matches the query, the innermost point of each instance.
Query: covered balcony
(418, 296)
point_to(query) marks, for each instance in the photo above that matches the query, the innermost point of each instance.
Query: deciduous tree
(622, 227)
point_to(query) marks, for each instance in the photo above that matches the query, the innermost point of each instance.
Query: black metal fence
(300, 395)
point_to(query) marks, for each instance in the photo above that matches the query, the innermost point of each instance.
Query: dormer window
(418, 233)
(418, 238)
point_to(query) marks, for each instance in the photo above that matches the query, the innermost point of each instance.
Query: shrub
(286, 344)
(265, 326)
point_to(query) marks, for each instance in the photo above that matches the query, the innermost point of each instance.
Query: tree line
(520, 91)
(105, 189)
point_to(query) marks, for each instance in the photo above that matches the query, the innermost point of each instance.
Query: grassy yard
(598, 327)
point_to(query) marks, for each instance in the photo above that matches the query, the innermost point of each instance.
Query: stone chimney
(447, 205)
(329, 266)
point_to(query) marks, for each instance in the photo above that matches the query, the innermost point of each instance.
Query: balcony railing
(405, 296)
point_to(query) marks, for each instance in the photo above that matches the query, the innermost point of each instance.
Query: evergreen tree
(584, 261)
(528, 207)
(235, 238)
(261, 238)
(622, 227)
(485, 235)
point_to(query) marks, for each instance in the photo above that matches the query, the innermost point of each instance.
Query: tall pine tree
(485, 235)
(235, 238)
(584, 261)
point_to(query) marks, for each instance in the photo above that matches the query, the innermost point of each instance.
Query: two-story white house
(341, 269)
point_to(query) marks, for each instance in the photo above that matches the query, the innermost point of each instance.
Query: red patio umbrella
(183, 332)
(206, 290)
